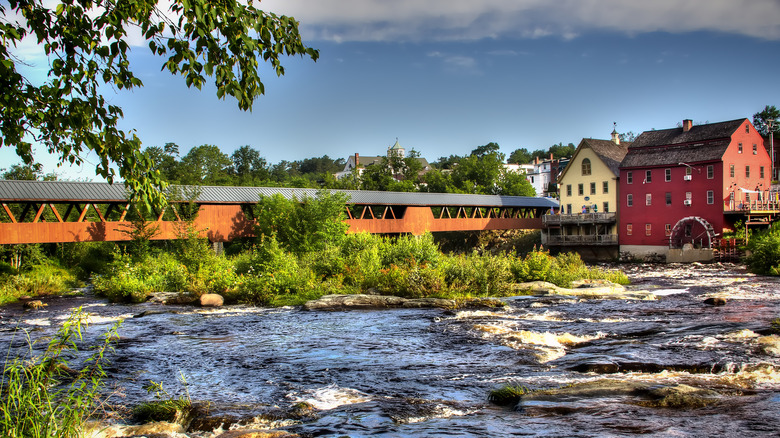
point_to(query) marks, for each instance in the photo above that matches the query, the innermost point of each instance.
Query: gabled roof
(672, 146)
(101, 192)
(610, 153)
(697, 133)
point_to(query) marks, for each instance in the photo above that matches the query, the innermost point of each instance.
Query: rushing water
(428, 372)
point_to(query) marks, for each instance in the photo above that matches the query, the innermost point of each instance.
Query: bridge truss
(55, 211)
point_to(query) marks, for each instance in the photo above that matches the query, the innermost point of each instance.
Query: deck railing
(580, 218)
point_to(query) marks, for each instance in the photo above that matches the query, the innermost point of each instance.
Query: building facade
(587, 222)
(682, 188)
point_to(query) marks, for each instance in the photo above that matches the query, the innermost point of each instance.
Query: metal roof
(101, 192)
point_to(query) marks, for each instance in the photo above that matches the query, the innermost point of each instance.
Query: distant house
(681, 188)
(588, 186)
(544, 176)
(361, 162)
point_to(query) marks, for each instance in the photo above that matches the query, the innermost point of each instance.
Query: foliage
(164, 407)
(88, 43)
(41, 398)
(411, 281)
(44, 279)
(764, 250)
(410, 250)
(520, 156)
(763, 118)
(479, 274)
(308, 224)
(140, 231)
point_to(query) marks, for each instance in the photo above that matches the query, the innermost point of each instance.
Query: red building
(682, 188)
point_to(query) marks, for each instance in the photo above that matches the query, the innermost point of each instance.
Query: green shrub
(41, 398)
(534, 267)
(44, 279)
(411, 281)
(410, 250)
(764, 249)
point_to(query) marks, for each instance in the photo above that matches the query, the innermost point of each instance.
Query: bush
(413, 281)
(44, 279)
(410, 250)
(764, 249)
(534, 267)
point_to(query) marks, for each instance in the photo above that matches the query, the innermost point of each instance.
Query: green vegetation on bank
(301, 252)
(764, 250)
(42, 396)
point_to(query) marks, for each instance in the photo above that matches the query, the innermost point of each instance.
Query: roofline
(41, 191)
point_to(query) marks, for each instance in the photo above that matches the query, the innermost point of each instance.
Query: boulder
(211, 300)
(34, 304)
(715, 301)
(583, 289)
(257, 434)
(362, 301)
(170, 298)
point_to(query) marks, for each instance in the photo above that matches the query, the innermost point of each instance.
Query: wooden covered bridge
(57, 211)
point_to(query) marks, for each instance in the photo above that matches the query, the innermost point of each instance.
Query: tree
(490, 148)
(32, 172)
(88, 42)
(520, 156)
(248, 166)
(205, 165)
(762, 119)
(561, 151)
(165, 160)
(627, 136)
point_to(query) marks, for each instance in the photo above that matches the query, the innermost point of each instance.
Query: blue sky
(447, 76)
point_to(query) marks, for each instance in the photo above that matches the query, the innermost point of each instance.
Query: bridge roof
(101, 192)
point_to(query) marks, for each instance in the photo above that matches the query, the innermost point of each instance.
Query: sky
(446, 76)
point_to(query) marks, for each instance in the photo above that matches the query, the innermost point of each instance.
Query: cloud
(459, 20)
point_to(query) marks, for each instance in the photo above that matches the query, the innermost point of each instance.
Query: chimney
(687, 124)
(357, 160)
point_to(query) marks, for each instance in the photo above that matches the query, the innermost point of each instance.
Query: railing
(580, 218)
(575, 239)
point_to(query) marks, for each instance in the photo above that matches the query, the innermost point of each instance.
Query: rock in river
(360, 301)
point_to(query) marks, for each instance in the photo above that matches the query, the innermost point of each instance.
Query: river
(429, 372)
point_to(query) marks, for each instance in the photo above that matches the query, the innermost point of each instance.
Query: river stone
(583, 289)
(679, 397)
(362, 301)
(770, 345)
(715, 301)
(257, 434)
(170, 298)
(211, 300)
(34, 304)
(156, 429)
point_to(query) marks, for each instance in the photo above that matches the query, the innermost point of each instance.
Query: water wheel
(692, 230)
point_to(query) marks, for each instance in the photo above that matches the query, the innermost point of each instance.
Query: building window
(630, 200)
(592, 188)
(586, 166)
(649, 199)
(568, 189)
(755, 149)
(688, 230)
(710, 172)
(731, 171)
(629, 177)
(568, 208)
(668, 229)
(580, 190)
(688, 172)
(605, 187)
(747, 129)
(688, 197)
(710, 197)
(648, 229)
(747, 171)
(667, 175)
(761, 172)
(648, 176)
(739, 148)
(668, 198)
(629, 229)
(606, 207)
